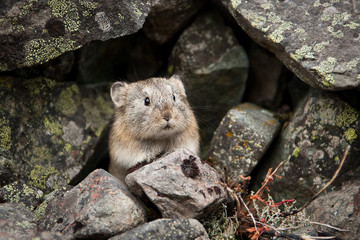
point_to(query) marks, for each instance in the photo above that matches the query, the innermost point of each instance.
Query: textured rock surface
(48, 130)
(166, 229)
(179, 184)
(100, 206)
(16, 222)
(339, 209)
(241, 139)
(213, 67)
(33, 32)
(312, 146)
(317, 40)
(20, 192)
(168, 17)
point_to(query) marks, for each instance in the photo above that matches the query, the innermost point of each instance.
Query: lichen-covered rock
(48, 130)
(338, 209)
(179, 184)
(166, 229)
(20, 192)
(312, 146)
(306, 36)
(214, 68)
(100, 206)
(33, 32)
(242, 138)
(16, 222)
(166, 18)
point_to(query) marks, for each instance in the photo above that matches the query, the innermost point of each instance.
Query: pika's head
(152, 109)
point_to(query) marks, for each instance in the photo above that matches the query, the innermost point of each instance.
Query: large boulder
(312, 146)
(49, 130)
(34, 32)
(317, 40)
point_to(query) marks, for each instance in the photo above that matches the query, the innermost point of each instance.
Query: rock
(34, 32)
(241, 140)
(166, 229)
(16, 222)
(214, 69)
(312, 146)
(20, 192)
(167, 18)
(306, 36)
(48, 130)
(338, 209)
(179, 184)
(100, 206)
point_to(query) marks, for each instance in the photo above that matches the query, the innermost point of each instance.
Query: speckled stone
(214, 69)
(312, 146)
(48, 130)
(98, 207)
(241, 139)
(338, 209)
(34, 32)
(16, 222)
(317, 40)
(179, 184)
(166, 229)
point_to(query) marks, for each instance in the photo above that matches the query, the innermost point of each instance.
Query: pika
(152, 117)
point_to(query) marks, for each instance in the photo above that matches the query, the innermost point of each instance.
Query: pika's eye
(174, 97)
(147, 101)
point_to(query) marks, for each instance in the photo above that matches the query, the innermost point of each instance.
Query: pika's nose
(166, 115)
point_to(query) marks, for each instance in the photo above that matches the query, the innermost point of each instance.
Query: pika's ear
(117, 92)
(177, 80)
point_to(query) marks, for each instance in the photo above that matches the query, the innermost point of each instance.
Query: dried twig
(329, 226)
(322, 189)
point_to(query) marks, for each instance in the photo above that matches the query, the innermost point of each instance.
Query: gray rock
(48, 130)
(167, 18)
(241, 140)
(166, 229)
(312, 146)
(20, 192)
(34, 32)
(214, 69)
(179, 184)
(16, 222)
(100, 206)
(338, 209)
(317, 40)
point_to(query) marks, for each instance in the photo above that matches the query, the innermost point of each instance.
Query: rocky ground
(271, 82)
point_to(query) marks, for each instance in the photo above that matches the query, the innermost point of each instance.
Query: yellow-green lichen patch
(346, 117)
(296, 151)
(276, 35)
(71, 21)
(318, 47)
(305, 52)
(38, 85)
(41, 50)
(89, 6)
(40, 174)
(52, 126)
(40, 154)
(350, 135)
(235, 3)
(68, 100)
(5, 134)
(325, 70)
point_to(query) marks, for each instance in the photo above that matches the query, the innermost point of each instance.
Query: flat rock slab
(179, 184)
(312, 146)
(34, 32)
(48, 130)
(242, 138)
(317, 40)
(166, 229)
(100, 206)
